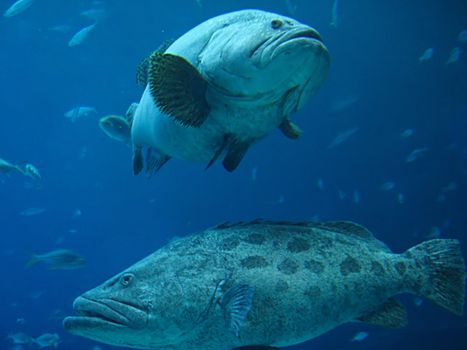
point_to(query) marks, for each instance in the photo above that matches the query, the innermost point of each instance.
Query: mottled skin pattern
(308, 279)
(252, 84)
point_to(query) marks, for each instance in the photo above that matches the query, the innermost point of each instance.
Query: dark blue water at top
(376, 84)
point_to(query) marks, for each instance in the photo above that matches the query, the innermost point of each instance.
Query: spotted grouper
(224, 85)
(265, 285)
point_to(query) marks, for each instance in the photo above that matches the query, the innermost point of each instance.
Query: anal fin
(154, 161)
(138, 162)
(391, 314)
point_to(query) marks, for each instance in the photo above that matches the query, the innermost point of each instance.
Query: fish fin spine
(442, 273)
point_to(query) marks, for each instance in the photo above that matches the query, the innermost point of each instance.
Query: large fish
(224, 85)
(263, 285)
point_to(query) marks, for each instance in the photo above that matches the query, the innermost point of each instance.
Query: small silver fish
(426, 55)
(60, 259)
(32, 211)
(116, 127)
(342, 103)
(416, 154)
(95, 14)
(462, 36)
(401, 198)
(342, 137)
(47, 339)
(31, 171)
(334, 14)
(291, 7)
(19, 338)
(80, 112)
(6, 167)
(254, 173)
(454, 55)
(18, 7)
(407, 133)
(81, 35)
(360, 336)
(387, 186)
(356, 196)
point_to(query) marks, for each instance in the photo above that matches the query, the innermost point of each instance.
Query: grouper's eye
(276, 23)
(126, 279)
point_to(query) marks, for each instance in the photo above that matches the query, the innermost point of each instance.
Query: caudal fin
(33, 261)
(443, 272)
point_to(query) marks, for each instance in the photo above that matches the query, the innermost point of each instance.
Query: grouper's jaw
(107, 320)
(293, 59)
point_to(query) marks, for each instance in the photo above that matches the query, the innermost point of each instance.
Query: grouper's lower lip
(104, 314)
(77, 324)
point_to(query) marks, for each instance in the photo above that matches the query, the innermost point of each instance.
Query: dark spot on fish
(254, 262)
(325, 310)
(349, 265)
(255, 238)
(281, 286)
(313, 292)
(230, 243)
(359, 288)
(276, 244)
(400, 267)
(288, 266)
(314, 266)
(325, 242)
(297, 245)
(377, 269)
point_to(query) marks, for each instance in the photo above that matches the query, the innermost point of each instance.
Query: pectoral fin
(142, 69)
(178, 89)
(289, 129)
(223, 146)
(236, 150)
(237, 302)
(391, 314)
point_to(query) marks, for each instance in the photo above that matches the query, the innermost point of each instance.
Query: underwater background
(384, 145)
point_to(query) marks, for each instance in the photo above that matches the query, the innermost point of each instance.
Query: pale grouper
(264, 285)
(224, 85)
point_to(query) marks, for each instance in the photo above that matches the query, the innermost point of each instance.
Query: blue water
(376, 84)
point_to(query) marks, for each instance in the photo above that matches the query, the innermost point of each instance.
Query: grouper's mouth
(289, 40)
(108, 314)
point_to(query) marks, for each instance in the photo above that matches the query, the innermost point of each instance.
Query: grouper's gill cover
(263, 285)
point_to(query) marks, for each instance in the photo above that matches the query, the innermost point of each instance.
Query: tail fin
(443, 272)
(33, 261)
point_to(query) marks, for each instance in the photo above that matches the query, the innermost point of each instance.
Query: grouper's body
(233, 79)
(265, 284)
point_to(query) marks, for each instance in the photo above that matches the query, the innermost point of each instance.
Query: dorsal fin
(348, 228)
